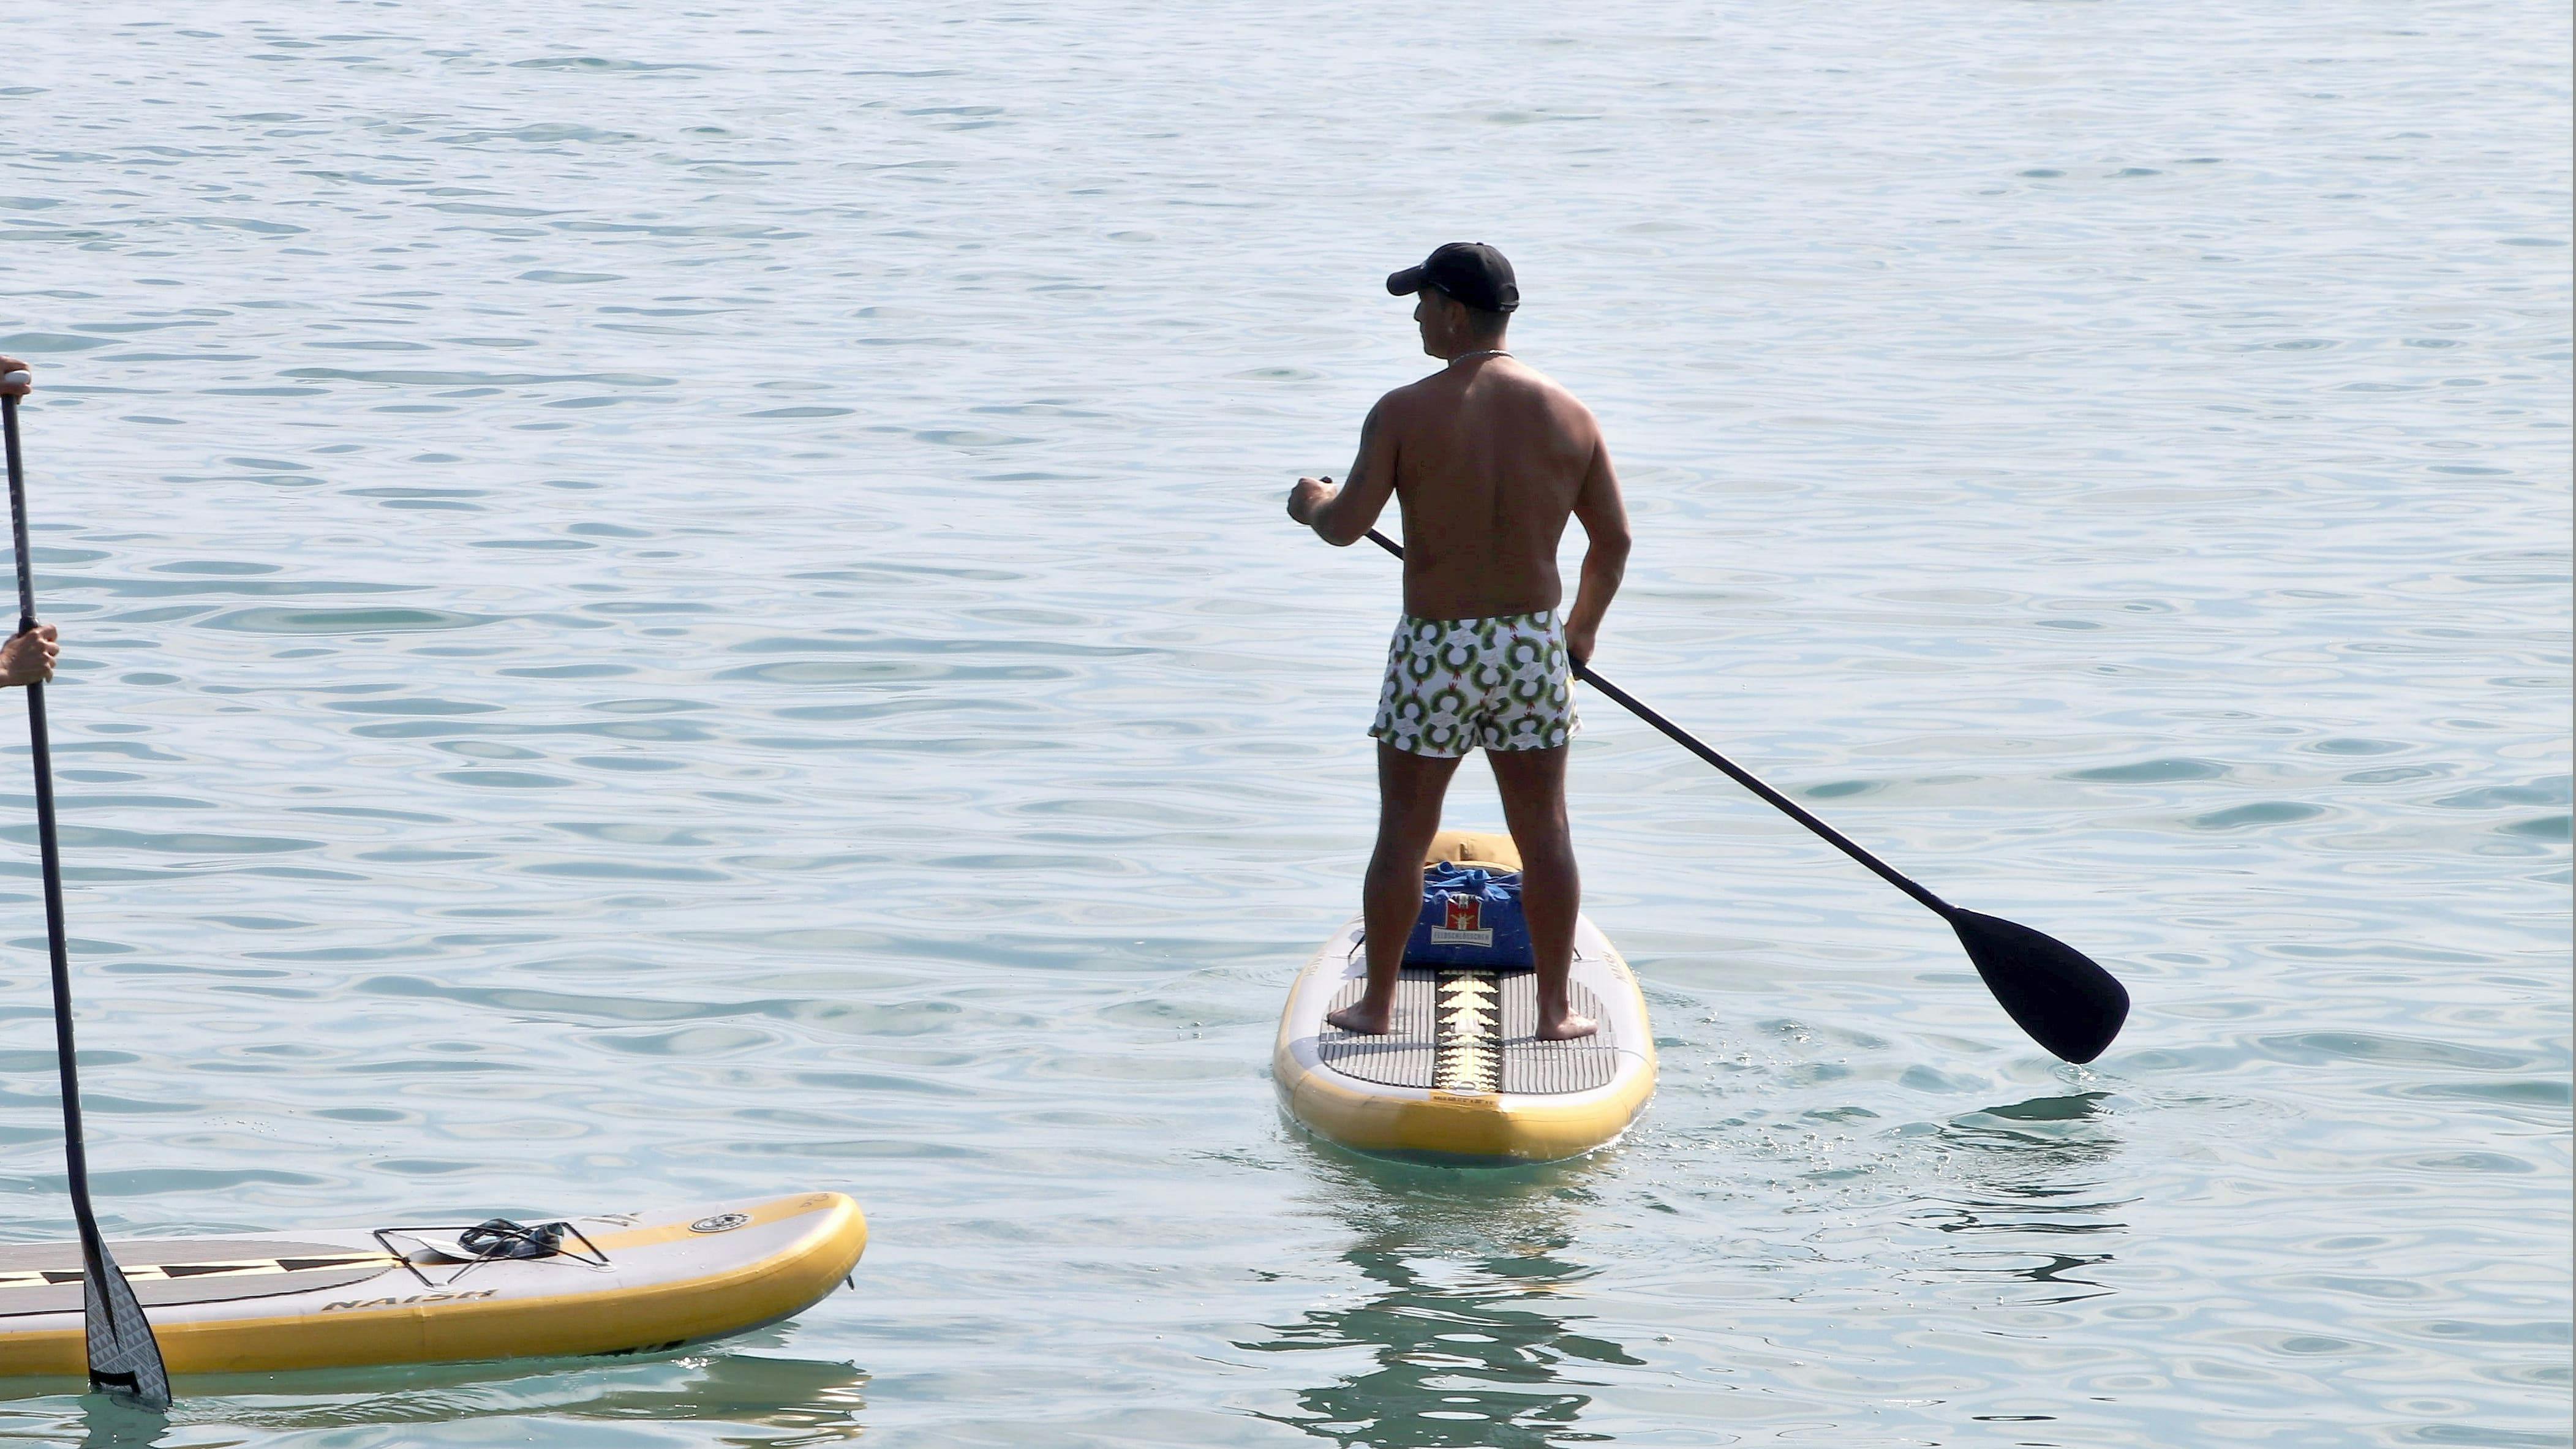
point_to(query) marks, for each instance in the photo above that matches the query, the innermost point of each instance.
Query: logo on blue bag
(1462, 923)
(1471, 918)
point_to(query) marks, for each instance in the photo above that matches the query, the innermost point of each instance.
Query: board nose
(1473, 847)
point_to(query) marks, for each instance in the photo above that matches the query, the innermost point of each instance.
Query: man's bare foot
(1566, 1028)
(1358, 1020)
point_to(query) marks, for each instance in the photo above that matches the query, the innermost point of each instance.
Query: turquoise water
(668, 604)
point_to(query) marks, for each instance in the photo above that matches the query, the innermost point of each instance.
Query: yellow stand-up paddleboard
(1461, 1078)
(352, 1297)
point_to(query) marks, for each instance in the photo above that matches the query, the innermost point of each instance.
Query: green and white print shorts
(1454, 685)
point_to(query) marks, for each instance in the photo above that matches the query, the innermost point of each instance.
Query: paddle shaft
(1735, 772)
(98, 1264)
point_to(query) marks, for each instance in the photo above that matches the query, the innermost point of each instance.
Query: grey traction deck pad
(46, 1277)
(1481, 1041)
(1402, 1057)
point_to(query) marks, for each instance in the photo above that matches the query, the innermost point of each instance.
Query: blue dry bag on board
(1471, 916)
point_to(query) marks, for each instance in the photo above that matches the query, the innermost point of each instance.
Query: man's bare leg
(1409, 791)
(1532, 783)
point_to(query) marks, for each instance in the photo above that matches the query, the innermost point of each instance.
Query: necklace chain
(1482, 352)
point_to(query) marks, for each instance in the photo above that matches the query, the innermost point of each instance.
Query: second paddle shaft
(1735, 772)
(124, 1358)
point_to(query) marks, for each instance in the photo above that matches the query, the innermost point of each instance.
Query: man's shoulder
(1400, 405)
(1438, 394)
(1409, 394)
(1556, 393)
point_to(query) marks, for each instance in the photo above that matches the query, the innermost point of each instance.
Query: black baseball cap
(1472, 272)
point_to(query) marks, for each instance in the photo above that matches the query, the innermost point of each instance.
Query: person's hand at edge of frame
(10, 365)
(29, 657)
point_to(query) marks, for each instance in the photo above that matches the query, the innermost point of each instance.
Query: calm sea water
(677, 603)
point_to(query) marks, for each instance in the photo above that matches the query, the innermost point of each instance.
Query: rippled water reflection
(667, 604)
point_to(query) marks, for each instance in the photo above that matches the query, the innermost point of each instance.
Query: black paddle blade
(2066, 1002)
(123, 1359)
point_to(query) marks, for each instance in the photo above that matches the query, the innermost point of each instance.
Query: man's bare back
(1489, 458)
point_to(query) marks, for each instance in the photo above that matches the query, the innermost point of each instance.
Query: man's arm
(1342, 516)
(1604, 516)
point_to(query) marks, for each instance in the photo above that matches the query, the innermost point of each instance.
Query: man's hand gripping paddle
(123, 1359)
(2059, 995)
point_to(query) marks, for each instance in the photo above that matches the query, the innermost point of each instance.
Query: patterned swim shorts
(1453, 685)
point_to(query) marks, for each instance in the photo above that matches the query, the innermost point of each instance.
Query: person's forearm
(1604, 565)
(1333, 522)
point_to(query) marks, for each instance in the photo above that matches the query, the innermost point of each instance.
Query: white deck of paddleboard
(1408, 1063)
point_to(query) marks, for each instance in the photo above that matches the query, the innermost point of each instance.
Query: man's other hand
(9, 365)
(1579, 642)
(29, 658)
(1309, 495)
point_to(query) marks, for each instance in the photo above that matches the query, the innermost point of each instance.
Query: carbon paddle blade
(2067, 1002)
(123, 1359)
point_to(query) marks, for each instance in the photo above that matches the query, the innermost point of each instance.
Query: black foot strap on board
(502, 1238)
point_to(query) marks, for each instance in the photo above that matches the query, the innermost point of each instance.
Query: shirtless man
(1489, 458)
(29, 657)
